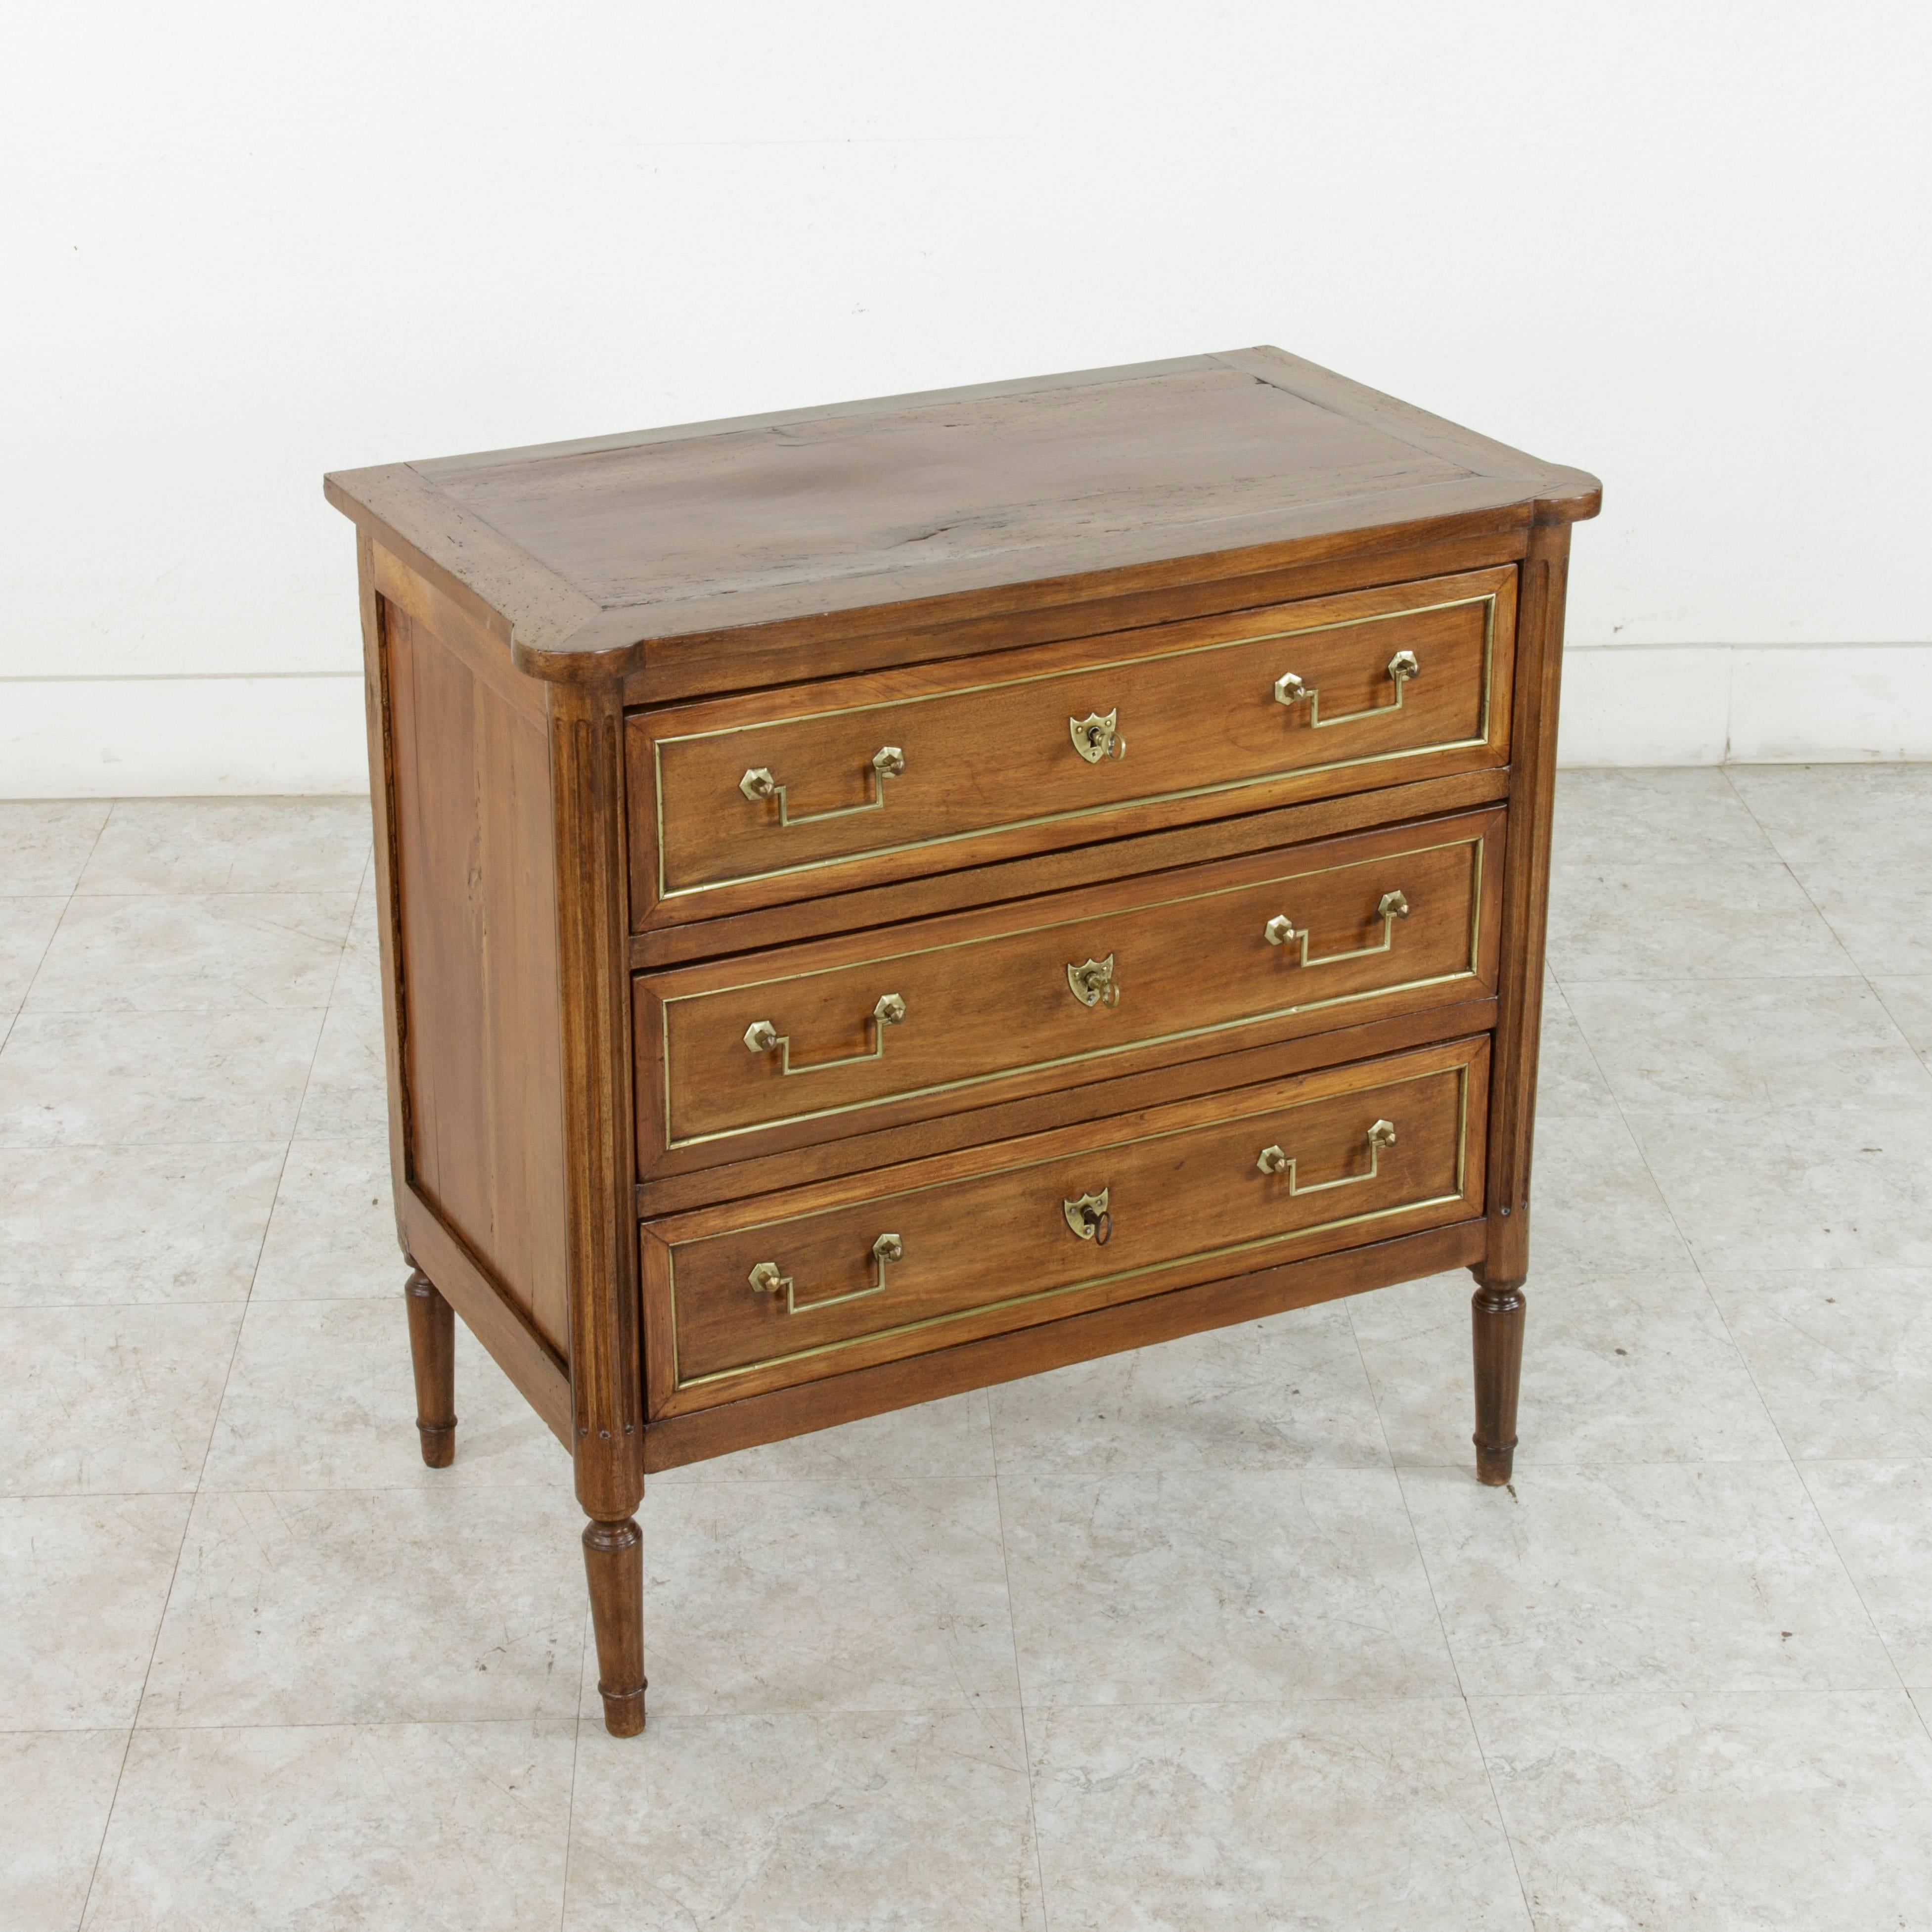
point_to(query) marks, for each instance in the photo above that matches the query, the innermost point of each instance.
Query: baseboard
(1746, 704)
(1689, 704)
(181, 737)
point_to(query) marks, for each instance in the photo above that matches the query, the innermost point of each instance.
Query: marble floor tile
(433, 1828)
(1810, 1187)
(1596, 1205)
(155, 1079)
(1646, 918)
(951, 1437)
(837, 1820)
(1787, 1811)
(321, 1397)
(1883, 917)
(1820, 818)
(83, 1582)
(231, 845)
(333, 1235)
(1908, 998)
(55, 1787)
(1880, 1517)
(119, 1224)
(1568, 1080)
(26, 925)
(1650, 1577)
(1723, 1046)
(1616, 1369)
(1354, 1815)
(1691, 813)
(454, 1606)
(1842, 1357)
(347, 1097)
(214, 953)
(110, 1401)
(1218, 1585)
(44, 843)
(1275, 1394)
(1386, 1316)
(798, 1596)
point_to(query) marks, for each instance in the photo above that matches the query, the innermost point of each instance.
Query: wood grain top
(587, 556)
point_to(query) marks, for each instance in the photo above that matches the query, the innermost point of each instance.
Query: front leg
(614, 1560)
(432, 1353)
(1496, 1314)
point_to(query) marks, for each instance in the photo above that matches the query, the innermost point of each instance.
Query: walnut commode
(881, 899)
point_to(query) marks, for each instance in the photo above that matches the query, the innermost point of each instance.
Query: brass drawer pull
(1272, 1160)
(1095, 736)
(767, 1279)
(1390, 908)
(1092, 983)
(758, 784)
(1289, 689)
(1089, 1217)
(761, 1036)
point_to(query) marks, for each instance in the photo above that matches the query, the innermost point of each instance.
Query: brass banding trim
(1103, 1051)
(680, 1382)
(1488, 600)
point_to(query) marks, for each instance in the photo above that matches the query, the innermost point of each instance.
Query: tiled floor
(1225, 1635)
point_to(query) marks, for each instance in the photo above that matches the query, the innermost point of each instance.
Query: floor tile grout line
(114, 1799)
(120, 1770)
(1824, 918)
(128, 1743)
(1790, 1461)
(1019, 1678)
(570, 1802)
(1288, 1703)
(1435, 1603)
(1797, 1468)
(187, 1523)
(66, 900)
(348, 933)
(497, 1484)
(67, 904)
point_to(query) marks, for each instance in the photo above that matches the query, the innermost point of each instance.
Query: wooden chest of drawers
(881, 899)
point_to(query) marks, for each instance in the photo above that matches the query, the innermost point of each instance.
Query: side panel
(1525, 905)
(475, 923)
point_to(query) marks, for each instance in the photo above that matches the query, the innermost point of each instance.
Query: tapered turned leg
(1496, 1313)
(614, 1558)
(433, 1350)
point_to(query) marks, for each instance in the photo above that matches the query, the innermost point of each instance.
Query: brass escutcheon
(1090, 1217)
(1095, 736)
(1092, 983)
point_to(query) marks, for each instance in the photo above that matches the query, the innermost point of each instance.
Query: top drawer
(738, 802)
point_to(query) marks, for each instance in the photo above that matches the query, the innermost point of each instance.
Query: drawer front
(768, 1293)
(745, 1056)
(753, 801)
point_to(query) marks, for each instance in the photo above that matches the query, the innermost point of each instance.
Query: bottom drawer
(783, 1289)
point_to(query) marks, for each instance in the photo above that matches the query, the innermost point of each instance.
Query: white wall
(1683, 245)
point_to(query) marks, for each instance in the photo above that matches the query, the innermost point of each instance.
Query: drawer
(744, 1057)
(745, 802)
(792, 1287)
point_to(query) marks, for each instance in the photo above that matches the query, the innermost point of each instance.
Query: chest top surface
(596, 547)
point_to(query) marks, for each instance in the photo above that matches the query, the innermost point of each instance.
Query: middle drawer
(747, 1056)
